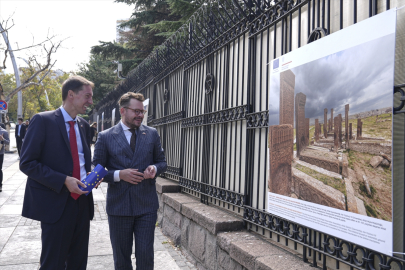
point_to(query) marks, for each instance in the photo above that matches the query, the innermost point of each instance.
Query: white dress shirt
(82, 161)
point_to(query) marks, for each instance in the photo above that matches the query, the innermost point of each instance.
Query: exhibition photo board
(331, 134)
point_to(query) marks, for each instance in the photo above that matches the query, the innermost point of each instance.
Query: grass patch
(363, 190)
(371, 212)
(350, 158)
(336, 183)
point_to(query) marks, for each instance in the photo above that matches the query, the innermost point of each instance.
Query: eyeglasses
(137, 112)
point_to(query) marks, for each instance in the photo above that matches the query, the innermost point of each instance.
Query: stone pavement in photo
(20, 244)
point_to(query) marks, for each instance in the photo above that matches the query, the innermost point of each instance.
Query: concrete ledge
(166, 186)
(214, 239)
(212, 219)
(176, 200)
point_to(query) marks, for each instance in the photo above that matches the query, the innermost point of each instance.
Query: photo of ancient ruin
(330, 131)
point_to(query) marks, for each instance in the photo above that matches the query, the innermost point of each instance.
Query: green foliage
(370, 210)
(100, 72)
(34, 97)
(336, 183)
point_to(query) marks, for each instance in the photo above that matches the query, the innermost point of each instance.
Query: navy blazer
(22, 131)
(112, 151)
(46, 159)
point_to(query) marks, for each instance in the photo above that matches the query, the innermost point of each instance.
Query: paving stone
(99, 243)
(15, 200)
(10, 209)
(27, 241)
(9, 220)
(5, 234)
(31, 266)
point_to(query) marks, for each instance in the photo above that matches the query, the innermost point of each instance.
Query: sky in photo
(362, 76)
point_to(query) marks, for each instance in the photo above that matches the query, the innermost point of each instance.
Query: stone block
(173, 216)
(210, 251)
(176, 200)
(184, 232)
(166, 186)
(345, 166)
(246, 252)
(312, 190)
(159, 218)
(225, 239)
(161, 204)
(286, 261)
(360, 207)
(351, 199)
(375, 161)
(223, 259)
(172, 231)
(196, 241)
(214, 220)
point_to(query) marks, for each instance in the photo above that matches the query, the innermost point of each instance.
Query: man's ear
(122, 110)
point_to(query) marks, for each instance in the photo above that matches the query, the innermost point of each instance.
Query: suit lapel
(119, 136)
(86, 149)
(62, 127)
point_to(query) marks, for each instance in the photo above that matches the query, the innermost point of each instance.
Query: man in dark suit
(133, 155)
(56, 156)
(19, 134)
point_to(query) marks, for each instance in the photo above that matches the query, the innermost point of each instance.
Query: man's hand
(131, 176)
(73, 185)
(150, 172)
(1, 138)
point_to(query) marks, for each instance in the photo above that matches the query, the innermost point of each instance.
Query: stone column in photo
(336, 134)
(300, 100)
(281, 144)
(350, 131)
(340, 130)
(347, 125)
(306, 131)
(358, 128)
(331, 120)
(287, 85)
(316, 130)
(325, 120)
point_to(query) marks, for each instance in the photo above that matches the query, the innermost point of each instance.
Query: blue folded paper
(93, 178)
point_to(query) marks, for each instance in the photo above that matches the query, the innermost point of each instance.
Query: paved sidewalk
(20, 244)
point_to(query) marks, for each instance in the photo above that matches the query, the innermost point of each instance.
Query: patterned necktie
(75, 155)
(133, 139)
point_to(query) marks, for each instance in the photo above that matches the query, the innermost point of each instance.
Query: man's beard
(131, 124)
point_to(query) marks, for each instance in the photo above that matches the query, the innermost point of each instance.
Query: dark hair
(74, 83)
(20, 119)
(94, 124)
(126, 98)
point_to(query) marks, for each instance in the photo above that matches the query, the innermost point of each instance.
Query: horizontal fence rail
(208, 89)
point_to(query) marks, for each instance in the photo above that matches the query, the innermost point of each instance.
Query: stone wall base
(213, 239)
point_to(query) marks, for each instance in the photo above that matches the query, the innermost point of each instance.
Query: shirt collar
(66, 116)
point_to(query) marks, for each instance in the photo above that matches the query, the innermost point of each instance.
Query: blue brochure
(93, 178)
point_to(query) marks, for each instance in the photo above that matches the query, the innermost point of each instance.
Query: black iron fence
(208, 88)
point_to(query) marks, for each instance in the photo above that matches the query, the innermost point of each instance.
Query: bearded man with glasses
(133, 155)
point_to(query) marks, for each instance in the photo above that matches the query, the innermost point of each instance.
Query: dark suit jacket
(112, 151)
(22, 131)
(46, 159)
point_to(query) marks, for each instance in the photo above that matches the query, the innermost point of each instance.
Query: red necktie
(75, 155)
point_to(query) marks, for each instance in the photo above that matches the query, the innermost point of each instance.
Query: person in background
(20, 130)
(93, 133)
(4, 139)
(27, 123)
